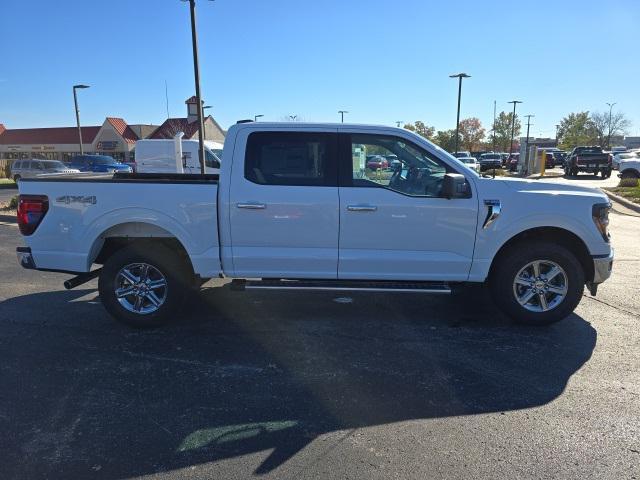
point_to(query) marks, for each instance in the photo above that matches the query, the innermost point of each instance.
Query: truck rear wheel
(143, 285)
(537, 284)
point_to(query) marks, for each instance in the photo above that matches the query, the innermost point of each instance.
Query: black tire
(511, 261)
(629, 174)
(16, 178)
(176, 272)
(606, 173)
(595, 173)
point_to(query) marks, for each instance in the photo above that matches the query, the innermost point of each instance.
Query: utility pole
(342, 112)
(75, 102)
(526, 151)
(609, 136)
(493, 148)
(513, 125)
(459, 76)
(196, 72)
(398, 123)
(256, 117)
(557, 128)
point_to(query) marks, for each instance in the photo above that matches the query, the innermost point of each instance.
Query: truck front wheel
(143, 285)
(537, 283)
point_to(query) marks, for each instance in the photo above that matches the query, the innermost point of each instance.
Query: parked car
(630, 168)
(559, 157)
(463, 154)
(291, 211)
(98, 163)
(470, 162)
(30, 168)
(393, 161)
(512, 162)
(589, 159)
(377, 162)
(549, 160)
(490, 160)
(620, 156)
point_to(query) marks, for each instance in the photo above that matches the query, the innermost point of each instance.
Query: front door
(394, 223)
(283, 205)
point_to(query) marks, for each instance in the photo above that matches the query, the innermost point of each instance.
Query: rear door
(283, 204)
(394, 223)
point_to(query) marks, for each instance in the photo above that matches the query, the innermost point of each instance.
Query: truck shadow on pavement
(256, 373)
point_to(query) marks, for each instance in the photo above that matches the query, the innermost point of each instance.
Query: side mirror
(455, 186)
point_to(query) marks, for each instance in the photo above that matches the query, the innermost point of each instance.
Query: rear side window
(17, 165)
(291, 158)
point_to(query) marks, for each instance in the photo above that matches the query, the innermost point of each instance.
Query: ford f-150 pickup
(295, 207)
(589, 159)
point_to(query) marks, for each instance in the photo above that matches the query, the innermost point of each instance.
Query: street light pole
(513, 125)
(460, 76)
(526, 143)
(398, 123)
(342, 112)
(609, 136)
(494, 127)
(293, 117)
(75, 102)
(196, 72)
(557, 128)
(256, 117)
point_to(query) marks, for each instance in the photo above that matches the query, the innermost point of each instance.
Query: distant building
(539, 142)
(114, 137)
(631, 142)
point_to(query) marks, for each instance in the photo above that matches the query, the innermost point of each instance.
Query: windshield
(54, 164)
(491, 156)
(468, 160)
(103, 160)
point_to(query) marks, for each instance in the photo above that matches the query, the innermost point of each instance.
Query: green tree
(421, 128)
(577, 129)
(503, 130)
(445, 139)
(471, 134)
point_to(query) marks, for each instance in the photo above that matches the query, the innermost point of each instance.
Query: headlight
(600, 215)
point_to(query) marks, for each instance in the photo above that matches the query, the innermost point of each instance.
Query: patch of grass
(498, 172)
(630, 193)
(7, 183)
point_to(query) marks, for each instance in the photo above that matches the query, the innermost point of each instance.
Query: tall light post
(256, 117)
(398, 123)
(513, 125)
(293, 117)
(342, 112)
(196, 73)
(526, 143)
(493, 148)
(460, 76)
(609, 136)
(557, 129)
(75, 102)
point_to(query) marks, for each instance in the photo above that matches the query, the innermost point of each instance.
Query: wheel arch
(557, 235)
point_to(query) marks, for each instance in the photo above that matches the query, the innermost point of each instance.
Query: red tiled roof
(171, 126)
(123, 129)
(59, 135)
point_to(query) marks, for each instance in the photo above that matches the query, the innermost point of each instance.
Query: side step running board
(343, 285)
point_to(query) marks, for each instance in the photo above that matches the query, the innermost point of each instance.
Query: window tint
(410, 170)
(211, 160)
(291, 158)
(17, 165)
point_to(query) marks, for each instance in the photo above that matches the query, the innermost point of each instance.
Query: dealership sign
(111, 145)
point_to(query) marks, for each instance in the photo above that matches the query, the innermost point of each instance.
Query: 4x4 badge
(83, 199)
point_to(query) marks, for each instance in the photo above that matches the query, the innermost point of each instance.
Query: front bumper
(602, 266)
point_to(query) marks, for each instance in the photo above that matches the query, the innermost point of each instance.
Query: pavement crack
(633, 314)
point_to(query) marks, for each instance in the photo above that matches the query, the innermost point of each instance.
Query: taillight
(31, 211)
(610, 159)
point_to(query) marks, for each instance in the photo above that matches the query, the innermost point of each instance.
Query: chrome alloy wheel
(140, 288)
(540, 286)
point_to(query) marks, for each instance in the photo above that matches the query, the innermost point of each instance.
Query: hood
(540, 186)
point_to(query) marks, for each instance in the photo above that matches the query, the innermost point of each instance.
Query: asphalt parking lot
(285, 385)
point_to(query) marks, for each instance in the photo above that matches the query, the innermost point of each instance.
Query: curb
(623, 201)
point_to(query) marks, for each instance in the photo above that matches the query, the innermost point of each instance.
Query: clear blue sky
(381, 60)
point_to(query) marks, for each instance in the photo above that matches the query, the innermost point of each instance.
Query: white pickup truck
(296, 207)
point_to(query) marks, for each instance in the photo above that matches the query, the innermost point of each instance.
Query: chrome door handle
(252, 206)
(494, 210)
(362, 208)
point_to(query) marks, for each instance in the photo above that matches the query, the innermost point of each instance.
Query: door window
(395, 164)
(291, 158)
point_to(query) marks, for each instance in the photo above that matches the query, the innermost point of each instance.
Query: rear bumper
(602, 266)
(25, 258)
